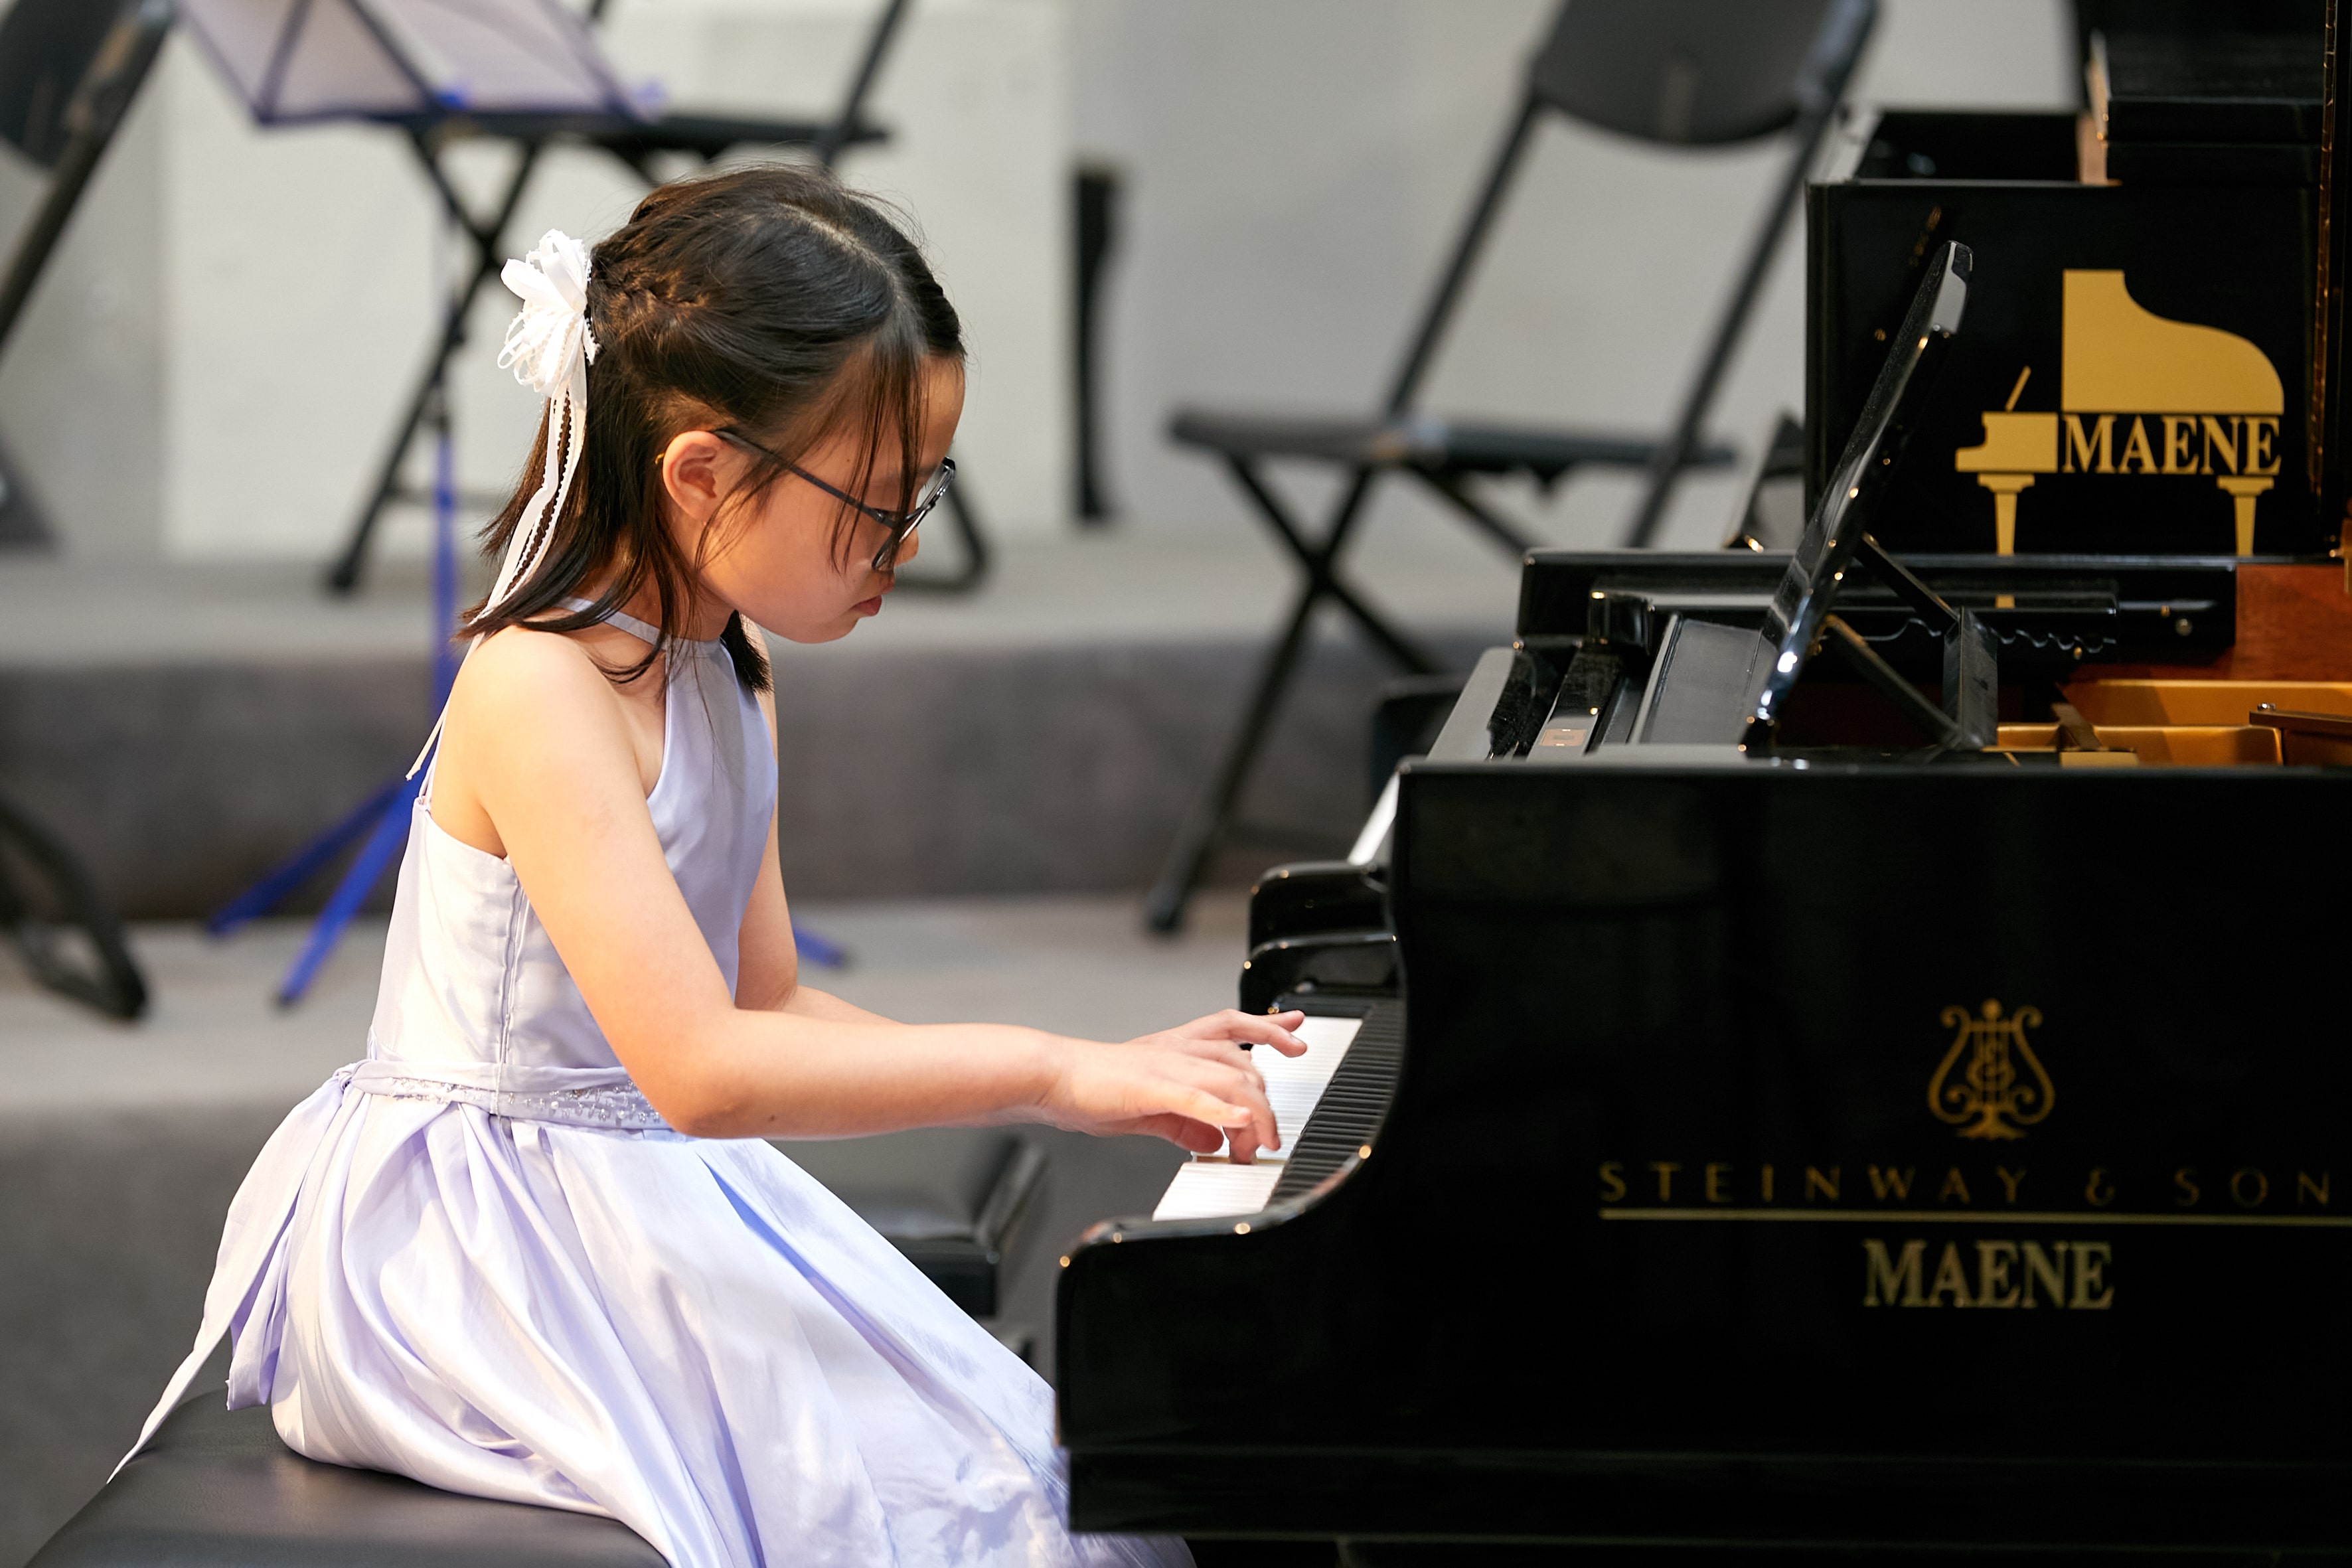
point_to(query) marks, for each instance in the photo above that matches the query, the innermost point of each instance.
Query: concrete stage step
(186, 728)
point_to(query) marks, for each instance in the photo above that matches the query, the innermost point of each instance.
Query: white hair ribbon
(548, 347)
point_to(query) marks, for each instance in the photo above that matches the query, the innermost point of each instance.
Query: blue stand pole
(382, 821)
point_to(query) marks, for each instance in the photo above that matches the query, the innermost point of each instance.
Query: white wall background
(210, 368)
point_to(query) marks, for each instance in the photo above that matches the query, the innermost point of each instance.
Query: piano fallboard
(1863, 1155)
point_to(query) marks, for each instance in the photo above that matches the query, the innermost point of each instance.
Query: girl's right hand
(1193, 1085)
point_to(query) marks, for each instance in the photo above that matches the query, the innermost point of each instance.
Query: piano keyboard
(1327, 1106)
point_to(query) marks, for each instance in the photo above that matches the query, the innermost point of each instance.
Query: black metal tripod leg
(1188, 857)
(345, 575)
(869, 67)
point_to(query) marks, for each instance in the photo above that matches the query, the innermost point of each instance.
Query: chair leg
(1321, 562)
(1501, 530)
(110, 981)
(1188, 857)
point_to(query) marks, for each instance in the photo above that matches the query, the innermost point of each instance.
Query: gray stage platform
(186, 727)
(120, 1147)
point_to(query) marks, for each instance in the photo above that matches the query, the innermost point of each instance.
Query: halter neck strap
(644, 631)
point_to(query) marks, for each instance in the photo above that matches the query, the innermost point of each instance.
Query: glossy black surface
(1306, 896)
(2114, 608)
(1612, 968)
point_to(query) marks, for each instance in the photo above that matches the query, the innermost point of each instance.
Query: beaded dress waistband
(573, 1097)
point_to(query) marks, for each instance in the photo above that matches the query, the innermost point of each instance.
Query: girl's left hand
(1220, 1037)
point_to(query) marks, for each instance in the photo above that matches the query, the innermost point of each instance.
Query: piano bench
(217, 1490)
(948, 1197)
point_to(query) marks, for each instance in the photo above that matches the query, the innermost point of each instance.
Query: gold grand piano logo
(1992, 1098)
(2137, 394)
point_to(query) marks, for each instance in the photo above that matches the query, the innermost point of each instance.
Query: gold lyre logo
(2003, 1089)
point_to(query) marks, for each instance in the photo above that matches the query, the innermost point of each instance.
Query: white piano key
(1294, 1085)
(1212, 1189)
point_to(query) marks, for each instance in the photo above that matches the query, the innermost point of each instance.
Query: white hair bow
(548, 347)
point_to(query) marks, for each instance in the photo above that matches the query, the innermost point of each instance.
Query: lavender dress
(480, 1259)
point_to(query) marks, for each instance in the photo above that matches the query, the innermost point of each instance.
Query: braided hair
(769, 299)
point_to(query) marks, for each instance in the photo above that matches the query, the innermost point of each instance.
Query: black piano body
(1695, 1213)
(1871, 1145)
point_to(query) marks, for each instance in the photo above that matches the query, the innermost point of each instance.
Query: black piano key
(1349, 1115)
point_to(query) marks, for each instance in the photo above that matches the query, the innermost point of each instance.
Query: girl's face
(783, 566)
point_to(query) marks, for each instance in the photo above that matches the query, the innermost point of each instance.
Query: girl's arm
(551, 762)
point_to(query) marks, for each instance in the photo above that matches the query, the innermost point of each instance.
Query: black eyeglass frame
(899, 523)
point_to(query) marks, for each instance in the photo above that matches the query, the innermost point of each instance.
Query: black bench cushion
(217, 1490)
(945, 1196)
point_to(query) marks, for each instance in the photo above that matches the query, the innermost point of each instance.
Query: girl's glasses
(899, 523)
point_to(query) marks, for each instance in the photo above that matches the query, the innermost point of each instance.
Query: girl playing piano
(532, 1247)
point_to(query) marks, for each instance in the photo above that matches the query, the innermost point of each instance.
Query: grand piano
(1830, 1049)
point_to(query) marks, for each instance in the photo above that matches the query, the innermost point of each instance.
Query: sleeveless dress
(480, 1259)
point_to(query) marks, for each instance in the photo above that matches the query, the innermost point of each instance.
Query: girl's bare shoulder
(520, 679)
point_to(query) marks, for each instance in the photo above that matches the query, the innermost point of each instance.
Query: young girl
(532, 1247)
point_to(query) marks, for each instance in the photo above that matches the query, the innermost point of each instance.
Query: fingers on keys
(1262, 1029)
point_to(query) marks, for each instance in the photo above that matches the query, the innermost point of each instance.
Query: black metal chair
(1671, 72)
(69, 71)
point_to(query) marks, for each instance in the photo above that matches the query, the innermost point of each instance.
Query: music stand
(525, 70)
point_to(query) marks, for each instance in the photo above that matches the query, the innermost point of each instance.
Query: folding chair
(1672, 72)
(69, 71)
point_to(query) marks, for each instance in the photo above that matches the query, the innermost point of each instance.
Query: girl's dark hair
(769, 299)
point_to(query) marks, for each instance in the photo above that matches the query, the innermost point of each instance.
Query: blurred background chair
(68, 72)
(1690, 73)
